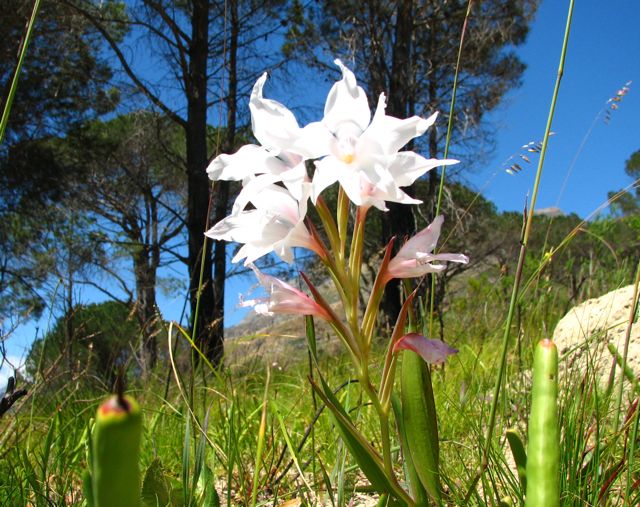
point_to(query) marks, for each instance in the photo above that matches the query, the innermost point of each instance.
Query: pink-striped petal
(432, 351)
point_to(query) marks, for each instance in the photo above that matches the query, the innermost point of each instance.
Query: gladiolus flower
(415, 257)
(283, 298)
(432, 351)
(363, 157)
(275, 225)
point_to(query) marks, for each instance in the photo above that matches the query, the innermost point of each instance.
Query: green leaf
(519, 456)
(211, 498)
(418, 492)
(156, 491)
(87, 488)
(420, 423)
(366, 457)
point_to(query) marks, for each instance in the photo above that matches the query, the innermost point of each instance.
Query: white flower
(415, 257)
(282, 152)
(283, 298)
(276, 128)
(363, 157)
(276, 224)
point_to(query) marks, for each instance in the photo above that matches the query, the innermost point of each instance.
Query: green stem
(523, 249)
(355, 266)
(16, 74)
(329, 224)
(377, 291)
(627, 339)
(383, 417)
(342, 214)
(447, 142)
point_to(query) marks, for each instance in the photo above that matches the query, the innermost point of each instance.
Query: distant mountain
(551, 212)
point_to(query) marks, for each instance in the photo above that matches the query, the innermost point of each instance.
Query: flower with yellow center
(363, 154)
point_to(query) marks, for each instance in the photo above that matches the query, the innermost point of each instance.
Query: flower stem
(342, 215)
(329, 224)
(355, 266)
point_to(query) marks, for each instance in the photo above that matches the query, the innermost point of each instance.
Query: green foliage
(65, 77)
(625, 203)
(95, 340)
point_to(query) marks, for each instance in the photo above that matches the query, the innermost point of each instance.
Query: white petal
(346, 103)
(247, 161)
(394, 132)
(250, 189)
(327, 171)
(252, 252)
(277, 201)
(423, 242)
(240, 228)
(314, 141)
(272, 123)
(387, 188)
(408, 166)
(296, 180)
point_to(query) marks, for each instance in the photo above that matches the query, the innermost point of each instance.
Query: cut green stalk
(116, 453)
(543, 452)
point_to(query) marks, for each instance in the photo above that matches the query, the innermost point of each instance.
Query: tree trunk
(202, 311)
(145, 274)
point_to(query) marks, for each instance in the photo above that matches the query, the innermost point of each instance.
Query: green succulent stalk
(116, 453)
(543, 453)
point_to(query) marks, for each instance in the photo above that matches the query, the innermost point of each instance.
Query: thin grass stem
(627, 340)
(523, 251)
(452, 105)
(16, 74)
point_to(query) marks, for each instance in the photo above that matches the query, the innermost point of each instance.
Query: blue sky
(602, 57)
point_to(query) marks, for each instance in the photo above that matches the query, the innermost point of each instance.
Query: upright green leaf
(420, 422)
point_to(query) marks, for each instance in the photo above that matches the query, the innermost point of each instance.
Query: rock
(585, 331)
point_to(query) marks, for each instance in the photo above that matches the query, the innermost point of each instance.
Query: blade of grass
(261, 434)
(627, 340)
(16, 73)
(292, 449)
